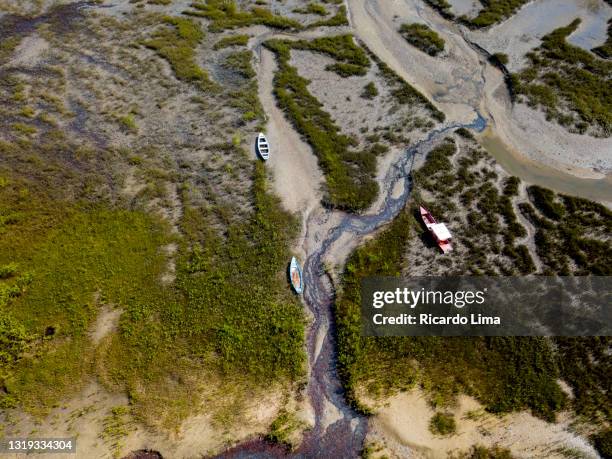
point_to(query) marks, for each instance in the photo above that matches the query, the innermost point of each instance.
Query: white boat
(295, 276)
(263, 148)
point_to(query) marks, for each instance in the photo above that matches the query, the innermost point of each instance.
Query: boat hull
(263, 147)
(430, 223)
(295, 276)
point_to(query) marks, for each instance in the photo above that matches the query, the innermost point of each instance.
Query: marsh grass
(442, 424)
(203, 325)
(224, 14)
(494, 11)
(506, 373)
(572, 235)
(207, 328)
(423, 38)
(240, 62)
(232, 40)
(176, 43)
(337, 20)
(349, 174)
(569, 84)
(370, 91)
(111, 253)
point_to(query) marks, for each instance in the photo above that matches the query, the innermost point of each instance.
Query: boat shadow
(424, 235)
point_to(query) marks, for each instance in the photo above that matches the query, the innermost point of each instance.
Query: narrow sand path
(297, 177)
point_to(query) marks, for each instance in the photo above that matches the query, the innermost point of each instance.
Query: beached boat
(263, 148)
(295, 275)
(439, 231)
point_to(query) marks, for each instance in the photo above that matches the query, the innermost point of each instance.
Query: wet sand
(461, 82)
(403, 425)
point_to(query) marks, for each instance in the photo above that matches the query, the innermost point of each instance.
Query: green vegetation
(494, 11)
(94, 286)
(128, 123)
(7, 46)
(499, 59)
(225, 14)
(349, 174)
(570, 237)
(442, 7)
(313, 8)
(52, 304)
(26, 130)
(442, 424)
(352, 59)
(232, 40)
(251, 335)
(201, 326)
(585, 364)
(605, 51)
(403, 92)
(505, 374)
(117, 425)
(603, 443)
(282, 428)
(570, 84)
(240, 62)
(337, 20)
(482, 452)
(242, 92)
(423, 38)
(370, 91)
(363, 360)
(177, 45)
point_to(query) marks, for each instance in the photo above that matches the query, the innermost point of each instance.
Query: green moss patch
(177, 44)
(423, 38)
(72, 259)
(232, 40)
(337, 20)
(224, 14)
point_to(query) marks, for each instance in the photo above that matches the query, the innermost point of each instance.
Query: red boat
(439, 231)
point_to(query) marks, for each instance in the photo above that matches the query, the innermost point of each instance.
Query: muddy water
(522, 32)
(540, 174)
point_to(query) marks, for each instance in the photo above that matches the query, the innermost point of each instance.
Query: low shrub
(423, 38)
(442, 424)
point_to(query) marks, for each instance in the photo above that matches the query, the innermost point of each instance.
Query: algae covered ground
(111, 200)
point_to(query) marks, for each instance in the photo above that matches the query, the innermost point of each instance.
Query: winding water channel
(345, 437)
